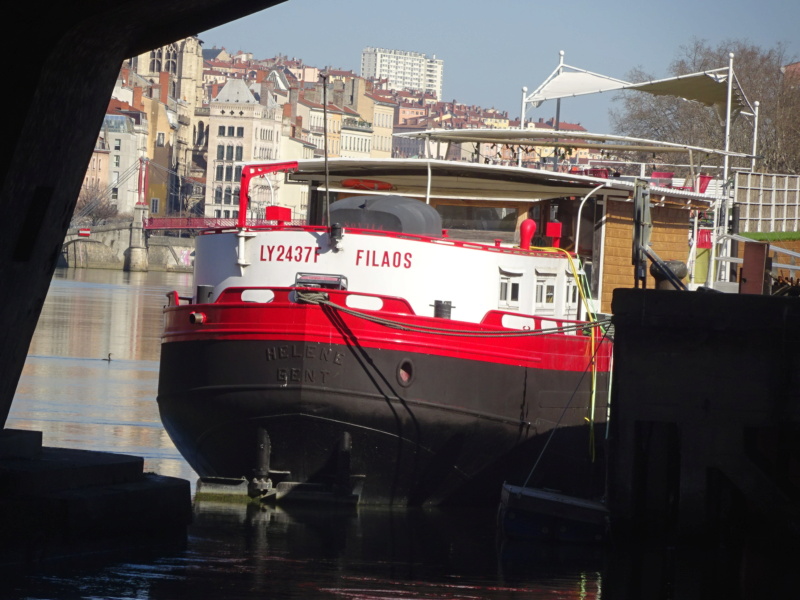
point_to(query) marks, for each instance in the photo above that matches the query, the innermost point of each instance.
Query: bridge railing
(206, 223)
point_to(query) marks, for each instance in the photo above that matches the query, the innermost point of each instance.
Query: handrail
(210, 223)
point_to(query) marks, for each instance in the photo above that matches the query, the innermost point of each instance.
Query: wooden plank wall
(669, 239)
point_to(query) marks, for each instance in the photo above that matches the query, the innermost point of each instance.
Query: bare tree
(761, 76)
(94, 205)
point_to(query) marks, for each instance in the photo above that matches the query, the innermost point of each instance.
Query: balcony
(357, 124)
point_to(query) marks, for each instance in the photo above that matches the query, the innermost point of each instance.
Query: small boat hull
(545, 515)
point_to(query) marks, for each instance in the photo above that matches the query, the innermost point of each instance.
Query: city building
(125, 131)
(311, 111)
(241, 129)
(376, 109)
(403, 70)
(173, 76)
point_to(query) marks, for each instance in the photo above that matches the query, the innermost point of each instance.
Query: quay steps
(60, 505)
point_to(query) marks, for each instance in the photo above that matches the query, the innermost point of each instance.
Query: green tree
(762, 76)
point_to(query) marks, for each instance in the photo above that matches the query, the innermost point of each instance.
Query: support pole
(557, 124)
(723, 216)
(755, 135)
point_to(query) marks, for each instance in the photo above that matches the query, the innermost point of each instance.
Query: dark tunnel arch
(72, 59)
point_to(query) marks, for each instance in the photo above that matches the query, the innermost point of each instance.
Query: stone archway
(72, 61)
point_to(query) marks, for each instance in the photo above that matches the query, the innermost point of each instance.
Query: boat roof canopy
(550, 137)
(461, 181)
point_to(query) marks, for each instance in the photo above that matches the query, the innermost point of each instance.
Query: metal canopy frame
(717, 88)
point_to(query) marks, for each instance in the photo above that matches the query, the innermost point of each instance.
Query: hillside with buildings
(183, 120)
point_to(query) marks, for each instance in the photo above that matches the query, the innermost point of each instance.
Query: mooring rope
(321, 298)
(563, 414)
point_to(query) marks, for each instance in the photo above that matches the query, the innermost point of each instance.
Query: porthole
(405, 372)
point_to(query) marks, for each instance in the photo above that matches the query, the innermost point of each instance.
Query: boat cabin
(587, 216)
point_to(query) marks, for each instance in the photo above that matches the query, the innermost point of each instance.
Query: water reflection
(79, 400)
(251, 551)
(248, 551)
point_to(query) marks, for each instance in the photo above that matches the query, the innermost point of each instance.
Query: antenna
(324, 78)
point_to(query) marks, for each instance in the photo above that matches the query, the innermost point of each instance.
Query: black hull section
(420, 429)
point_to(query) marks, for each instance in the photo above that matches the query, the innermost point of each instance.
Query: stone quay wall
(115, 246)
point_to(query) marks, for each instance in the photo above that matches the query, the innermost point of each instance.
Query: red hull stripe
(286, 321)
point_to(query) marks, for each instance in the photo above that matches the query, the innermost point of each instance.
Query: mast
(522, 120)
(324, 78)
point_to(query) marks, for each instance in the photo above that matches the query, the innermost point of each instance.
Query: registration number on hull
(281, 253)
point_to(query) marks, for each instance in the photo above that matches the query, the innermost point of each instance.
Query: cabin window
(478, 218)
(545, 294)
(572, 295)
(509, 292)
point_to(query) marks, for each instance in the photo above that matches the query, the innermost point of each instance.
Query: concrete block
(20, 443)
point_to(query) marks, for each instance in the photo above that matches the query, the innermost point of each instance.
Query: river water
(79, 400)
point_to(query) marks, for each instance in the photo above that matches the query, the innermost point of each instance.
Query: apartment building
(404, 70)
(241, 129)
(312, 114)
(376, 110)
(125, 131)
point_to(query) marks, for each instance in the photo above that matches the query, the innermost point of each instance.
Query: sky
(492, 49)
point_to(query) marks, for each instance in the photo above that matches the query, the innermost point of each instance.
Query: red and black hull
(425, 419)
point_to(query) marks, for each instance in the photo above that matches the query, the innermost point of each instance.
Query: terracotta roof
(340, 72)
(119, 107)
(311, 104)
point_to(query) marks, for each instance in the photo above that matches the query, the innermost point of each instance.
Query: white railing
(769, 202)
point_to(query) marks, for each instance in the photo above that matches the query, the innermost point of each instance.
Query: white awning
(708, 87)
(574, 83)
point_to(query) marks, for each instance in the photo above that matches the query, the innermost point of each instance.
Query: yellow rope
(592, 317)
